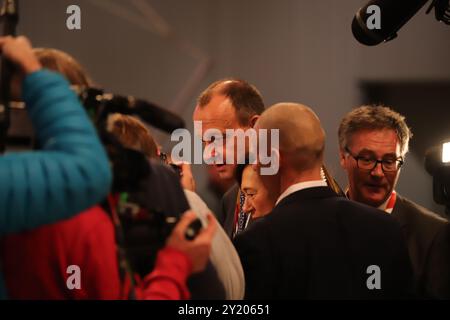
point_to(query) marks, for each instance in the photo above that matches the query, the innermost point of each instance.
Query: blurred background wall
(168, 51)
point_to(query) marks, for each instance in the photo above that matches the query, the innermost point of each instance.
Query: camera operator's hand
(197, 250)
(20, 52)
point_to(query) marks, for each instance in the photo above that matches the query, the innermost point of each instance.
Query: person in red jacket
(38, 263)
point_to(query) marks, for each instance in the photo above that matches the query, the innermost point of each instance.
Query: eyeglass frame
(399, 159)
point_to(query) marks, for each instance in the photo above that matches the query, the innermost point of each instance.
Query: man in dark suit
(229, 104)
(315, 244)
(229, 206)
(373, 143)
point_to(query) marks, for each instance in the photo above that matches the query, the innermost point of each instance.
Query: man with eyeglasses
(373, 142)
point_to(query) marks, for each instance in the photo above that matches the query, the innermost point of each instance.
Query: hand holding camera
(197, 249)
(20, 52)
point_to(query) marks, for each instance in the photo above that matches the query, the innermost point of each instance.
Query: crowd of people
(105, 197)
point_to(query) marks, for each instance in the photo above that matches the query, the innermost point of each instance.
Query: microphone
(393, 15)
(102, 104)
(157, 116)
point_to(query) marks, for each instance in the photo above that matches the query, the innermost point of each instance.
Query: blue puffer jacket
(68, 175)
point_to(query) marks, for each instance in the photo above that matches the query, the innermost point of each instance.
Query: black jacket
(428, 238)
(228, 208)
(317, 245)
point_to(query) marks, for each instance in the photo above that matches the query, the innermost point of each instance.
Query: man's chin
(374, 199)
(224, 171)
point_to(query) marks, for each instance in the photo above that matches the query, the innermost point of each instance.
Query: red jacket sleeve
(168, 279)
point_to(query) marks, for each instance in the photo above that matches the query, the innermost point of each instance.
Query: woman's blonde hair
(63, 63)
(133, 134)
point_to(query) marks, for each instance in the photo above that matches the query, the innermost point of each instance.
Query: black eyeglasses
(366, 163)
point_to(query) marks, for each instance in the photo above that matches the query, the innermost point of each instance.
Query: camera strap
(125, 270)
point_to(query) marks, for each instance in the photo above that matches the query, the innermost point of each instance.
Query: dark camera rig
(100, 104)
(150, 199)
(437, 165)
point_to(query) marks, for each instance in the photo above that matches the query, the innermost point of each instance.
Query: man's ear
(342, 159)
(271, 168)
(253, 120)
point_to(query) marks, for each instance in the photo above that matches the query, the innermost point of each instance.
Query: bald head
(301, 139)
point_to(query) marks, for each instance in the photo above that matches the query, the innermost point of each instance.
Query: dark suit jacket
(316, 245)
(428, 238)
(228, 207)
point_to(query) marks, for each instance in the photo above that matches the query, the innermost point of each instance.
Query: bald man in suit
(315, 244)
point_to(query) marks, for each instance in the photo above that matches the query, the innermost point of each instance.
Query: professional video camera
(437, 164)
(148, 198)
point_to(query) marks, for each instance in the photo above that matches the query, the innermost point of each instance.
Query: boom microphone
(393, 15)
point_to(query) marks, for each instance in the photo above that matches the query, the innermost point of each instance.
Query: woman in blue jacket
(71, 171)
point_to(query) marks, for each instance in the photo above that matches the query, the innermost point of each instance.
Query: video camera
(437, 164)
(150, 197)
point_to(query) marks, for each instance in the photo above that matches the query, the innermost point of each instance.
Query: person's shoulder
(90, 220)
(228, 201)
(418, 215)
(77, 230)
(197, 204)
(373, 216)
(231, 194)
(256, 231)
(195, 201)
(336, 204)
(414, 208)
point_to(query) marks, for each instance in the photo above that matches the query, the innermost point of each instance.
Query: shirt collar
(387, 206)
(384, 205)
(300, 186)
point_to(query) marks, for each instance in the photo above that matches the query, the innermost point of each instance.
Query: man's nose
(378, 170)
(212, 151)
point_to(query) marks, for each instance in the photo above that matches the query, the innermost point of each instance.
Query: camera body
(150, 203)
(439, 168)
(145, 233)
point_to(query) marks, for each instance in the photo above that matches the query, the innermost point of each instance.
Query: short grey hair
(374, 117)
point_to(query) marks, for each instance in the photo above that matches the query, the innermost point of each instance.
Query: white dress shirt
(300, 186)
